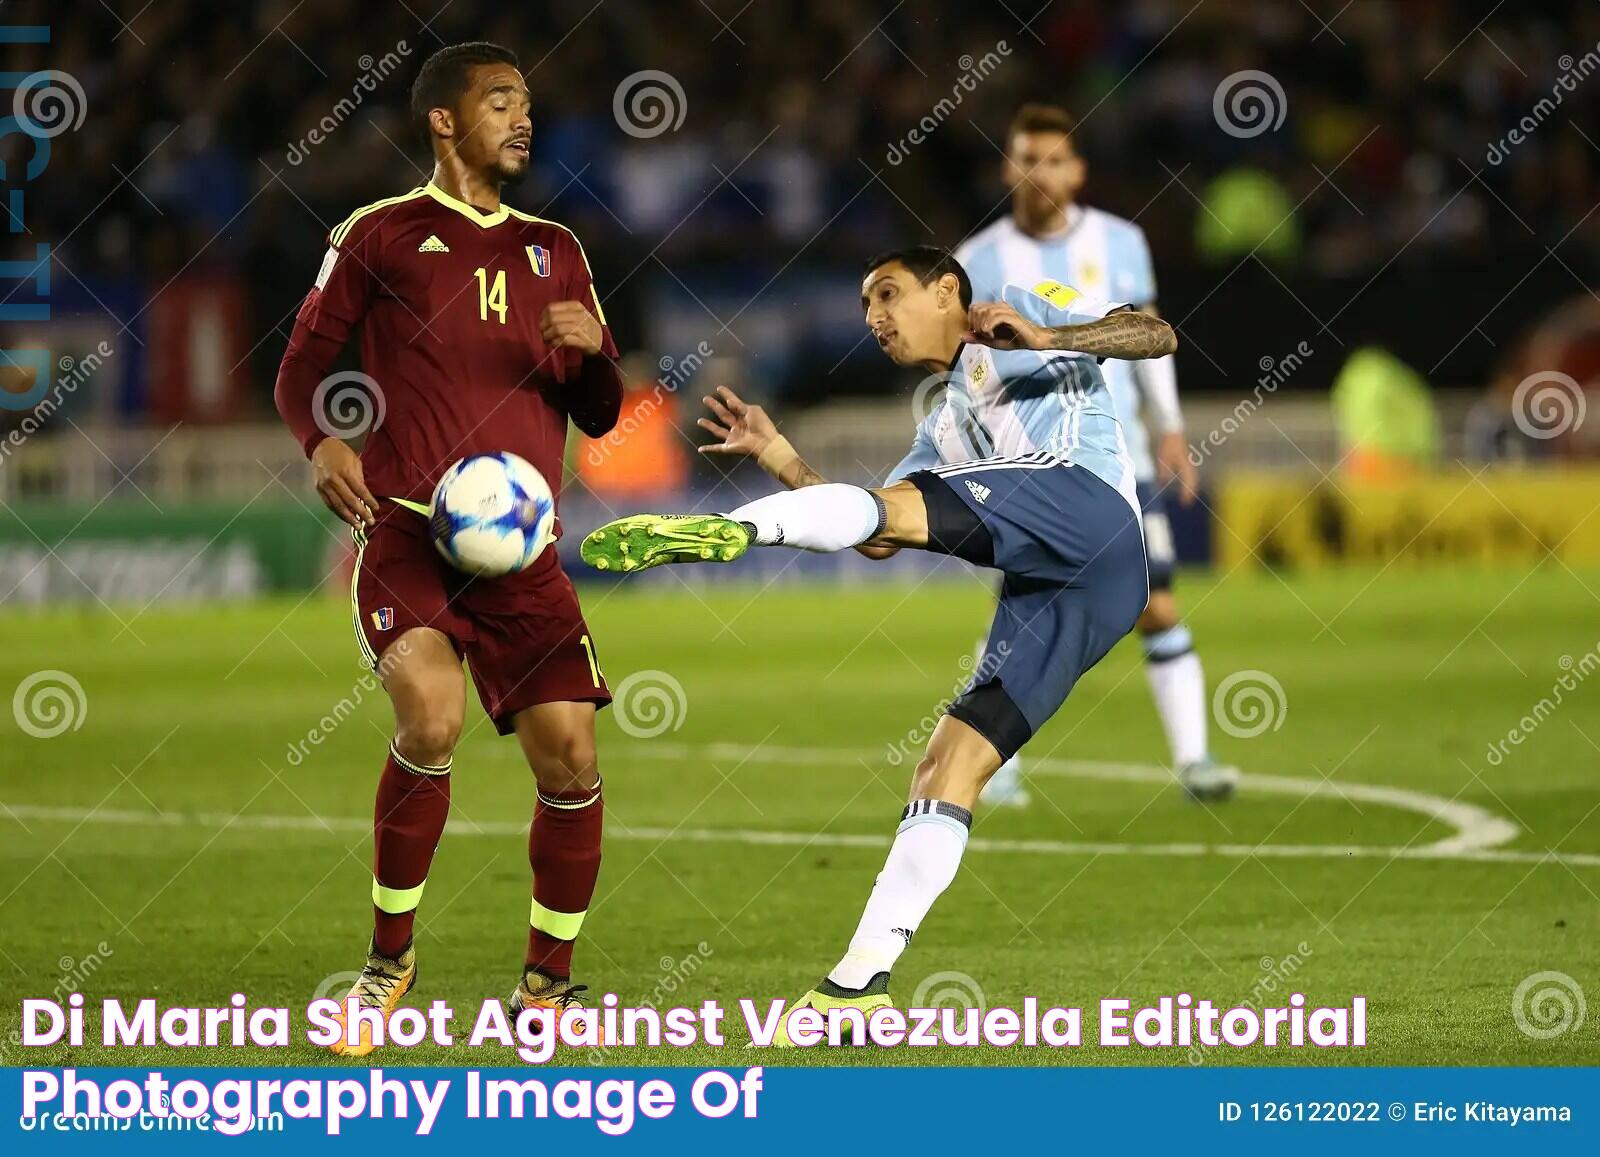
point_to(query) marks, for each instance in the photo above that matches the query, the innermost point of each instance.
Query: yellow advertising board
(1494, 516)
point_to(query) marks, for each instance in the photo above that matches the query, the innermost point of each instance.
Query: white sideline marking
(1477, 831)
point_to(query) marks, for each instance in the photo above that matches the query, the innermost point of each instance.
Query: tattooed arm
(1127, 334)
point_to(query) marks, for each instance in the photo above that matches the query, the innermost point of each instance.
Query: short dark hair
(927, 263)
(444, 76)
(1041, 118)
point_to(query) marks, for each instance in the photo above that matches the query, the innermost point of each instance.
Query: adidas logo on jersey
(433, 245)
(979, 491)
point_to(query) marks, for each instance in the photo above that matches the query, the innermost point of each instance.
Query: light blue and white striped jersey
(1098, 254)
(1020, 403)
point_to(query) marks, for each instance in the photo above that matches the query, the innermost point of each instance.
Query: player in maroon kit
(482, 331)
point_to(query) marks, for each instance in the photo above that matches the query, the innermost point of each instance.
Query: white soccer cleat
(1207, 781)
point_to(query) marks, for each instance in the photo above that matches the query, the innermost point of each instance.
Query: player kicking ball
(482, 333)
(1022, 467)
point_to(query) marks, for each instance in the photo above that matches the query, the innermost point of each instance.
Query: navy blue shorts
(1072, 556)
(1158, 551)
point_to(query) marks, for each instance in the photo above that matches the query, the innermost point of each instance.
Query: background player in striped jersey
(1021, 468)
(482, 332)
(1048, 235)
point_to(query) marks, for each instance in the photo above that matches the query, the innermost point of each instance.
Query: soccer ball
(492, 514)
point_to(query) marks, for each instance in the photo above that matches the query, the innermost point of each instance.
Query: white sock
(926, 853)
(833, 516)
(1178, 683)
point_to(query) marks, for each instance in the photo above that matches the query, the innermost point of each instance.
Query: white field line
(1476, 830)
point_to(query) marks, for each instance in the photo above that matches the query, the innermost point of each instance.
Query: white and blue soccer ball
(492, 514)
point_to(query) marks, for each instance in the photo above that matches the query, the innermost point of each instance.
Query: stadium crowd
(198, 112)
(1331, 141)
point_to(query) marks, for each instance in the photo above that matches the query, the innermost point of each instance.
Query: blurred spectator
(647, 453)
(1538, 406)
(1384, 413)
(1243, 212)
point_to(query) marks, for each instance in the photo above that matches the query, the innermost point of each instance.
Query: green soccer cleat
(642, 541)
(828, 996)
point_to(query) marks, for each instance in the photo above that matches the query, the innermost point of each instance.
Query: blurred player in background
(1049, 236)
(480, 332)
(1020, 468)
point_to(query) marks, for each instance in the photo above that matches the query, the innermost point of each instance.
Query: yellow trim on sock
(420, 768)
(561, 925)
(396, 901)
(568, 804)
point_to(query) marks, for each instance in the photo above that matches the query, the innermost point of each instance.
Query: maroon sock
(407, 822)
(564, 852)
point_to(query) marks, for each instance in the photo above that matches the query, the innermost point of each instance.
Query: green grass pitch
(172, 846)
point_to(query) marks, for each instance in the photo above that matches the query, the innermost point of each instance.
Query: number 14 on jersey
(491, 294)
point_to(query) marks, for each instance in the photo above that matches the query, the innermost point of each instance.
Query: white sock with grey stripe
(922, 863)
(1178, 684)
(833, 516)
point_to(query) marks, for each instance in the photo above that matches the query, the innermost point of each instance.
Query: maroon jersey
(449, 298)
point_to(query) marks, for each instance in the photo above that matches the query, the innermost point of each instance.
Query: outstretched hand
(742, 429)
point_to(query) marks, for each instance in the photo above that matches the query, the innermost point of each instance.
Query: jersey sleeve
(924, 452)
(1053, 303)
(591, 384)
(980, 257)
(336, 303)
(1133, 274)
(580, 287)
(346, 281)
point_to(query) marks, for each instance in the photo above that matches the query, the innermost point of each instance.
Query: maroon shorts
(523, 635)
